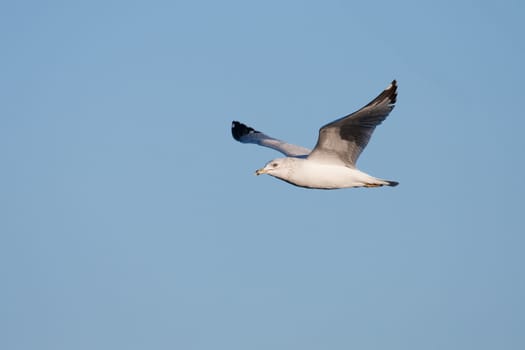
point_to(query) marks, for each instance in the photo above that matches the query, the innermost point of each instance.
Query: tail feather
(381, 182)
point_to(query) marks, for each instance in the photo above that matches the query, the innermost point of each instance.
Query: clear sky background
(130, 219)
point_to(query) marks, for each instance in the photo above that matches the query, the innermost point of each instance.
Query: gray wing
(246, 134)
(343, 140)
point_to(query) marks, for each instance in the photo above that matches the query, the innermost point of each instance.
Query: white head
(279, 168)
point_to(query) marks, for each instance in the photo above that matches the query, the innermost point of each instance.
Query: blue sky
(132, 220)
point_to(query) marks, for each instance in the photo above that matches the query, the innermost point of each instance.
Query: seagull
(332, 162)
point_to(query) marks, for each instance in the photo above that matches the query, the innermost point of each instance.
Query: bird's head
(278, 167)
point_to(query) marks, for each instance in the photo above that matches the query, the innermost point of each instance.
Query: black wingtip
(239, 130)
(389, 93)
(392, 91)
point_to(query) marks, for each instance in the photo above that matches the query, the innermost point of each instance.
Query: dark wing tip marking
(239, 130)
(389, 93)
(393, 91)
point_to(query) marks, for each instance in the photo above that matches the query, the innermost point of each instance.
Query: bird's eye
(274, 165)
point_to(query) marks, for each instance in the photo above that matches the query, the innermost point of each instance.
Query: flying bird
(332, 162)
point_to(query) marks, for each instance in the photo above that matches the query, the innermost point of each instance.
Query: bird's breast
(324, 176)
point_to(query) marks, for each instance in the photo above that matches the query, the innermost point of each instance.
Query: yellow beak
(260, 171)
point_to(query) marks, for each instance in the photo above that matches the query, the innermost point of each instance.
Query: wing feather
(344, 139)
(245, 134)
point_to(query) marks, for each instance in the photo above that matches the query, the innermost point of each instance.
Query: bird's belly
(328, 177)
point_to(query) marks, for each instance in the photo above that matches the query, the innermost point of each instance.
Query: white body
(312, 174)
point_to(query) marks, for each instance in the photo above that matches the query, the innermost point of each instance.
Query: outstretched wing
(246, 134)
(343, 140)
